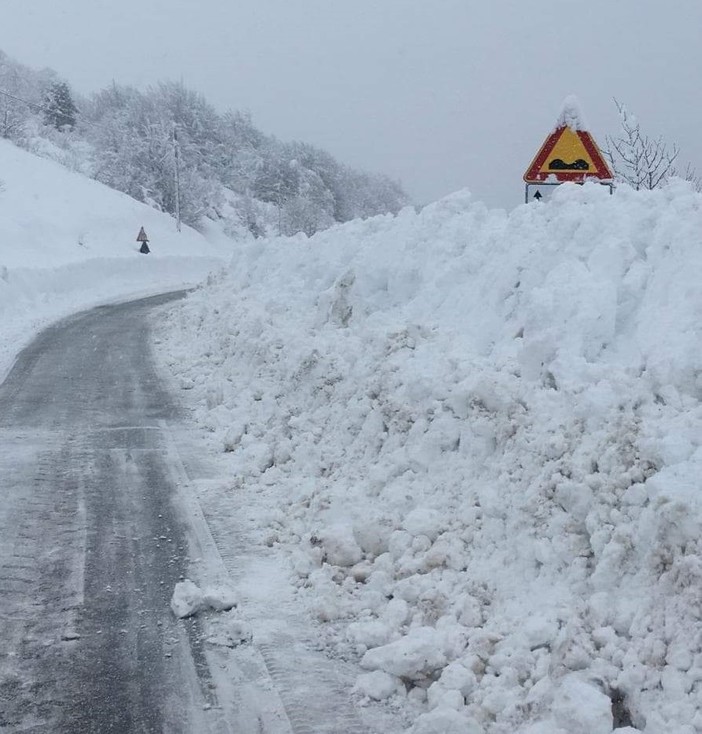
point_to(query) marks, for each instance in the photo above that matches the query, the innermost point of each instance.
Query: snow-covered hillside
(67, 243)
(477, 435)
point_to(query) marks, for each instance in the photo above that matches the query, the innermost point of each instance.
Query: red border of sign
(534, 173)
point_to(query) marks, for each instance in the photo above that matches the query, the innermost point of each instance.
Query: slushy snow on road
(478, 439)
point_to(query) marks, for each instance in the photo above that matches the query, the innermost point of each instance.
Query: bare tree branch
(640, 161)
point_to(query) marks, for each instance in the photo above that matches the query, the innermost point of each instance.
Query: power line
(24, 101)
(40, 107)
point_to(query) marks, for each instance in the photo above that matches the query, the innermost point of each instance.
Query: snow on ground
(68, 243)
(476, 436)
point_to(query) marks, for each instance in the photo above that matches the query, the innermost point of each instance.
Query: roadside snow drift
(479, 437)
(68, 243)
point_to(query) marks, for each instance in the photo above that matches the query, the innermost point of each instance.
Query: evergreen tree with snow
(59, 109)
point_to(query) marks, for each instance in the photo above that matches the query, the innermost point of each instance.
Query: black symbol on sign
(537, 195)
(560, 165)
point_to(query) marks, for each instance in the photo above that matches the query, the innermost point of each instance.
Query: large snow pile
(481, 433)
(67, 243)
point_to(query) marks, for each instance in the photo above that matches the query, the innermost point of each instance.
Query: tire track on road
(90, 542)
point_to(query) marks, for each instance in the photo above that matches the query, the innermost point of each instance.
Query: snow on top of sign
(571, 116)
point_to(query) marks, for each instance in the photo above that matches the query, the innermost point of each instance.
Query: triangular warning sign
(141, 237)
(568, 155)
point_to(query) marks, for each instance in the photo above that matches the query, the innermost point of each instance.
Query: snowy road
(98, 521)
(90, 545)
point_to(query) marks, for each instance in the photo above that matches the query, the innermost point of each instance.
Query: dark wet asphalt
(90, 546)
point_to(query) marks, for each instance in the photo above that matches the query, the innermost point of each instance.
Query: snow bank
(50, 216)
(68, 243)
(483, 433)
(33, 298)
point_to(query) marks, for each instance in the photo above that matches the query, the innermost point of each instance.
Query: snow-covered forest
(133, 141)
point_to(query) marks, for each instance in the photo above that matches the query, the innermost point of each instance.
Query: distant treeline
(228, 169)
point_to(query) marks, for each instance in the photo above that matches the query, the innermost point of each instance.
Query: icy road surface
(99, 519)
(90, 545)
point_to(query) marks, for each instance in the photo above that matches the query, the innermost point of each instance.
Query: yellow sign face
(568, 155)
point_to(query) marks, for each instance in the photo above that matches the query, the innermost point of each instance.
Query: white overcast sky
(441, 94)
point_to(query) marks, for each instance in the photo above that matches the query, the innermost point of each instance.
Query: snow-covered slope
(478, 435)
(67, 242)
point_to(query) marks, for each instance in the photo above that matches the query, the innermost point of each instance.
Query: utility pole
(279, 193)
(176, 150)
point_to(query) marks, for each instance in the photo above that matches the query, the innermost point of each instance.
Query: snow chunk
(232, 633)
(220, 598)
(446, 721)
(440, 697)
(372, 537)
(581, 708)
(377, 685)
(545, 727)
(396, 613)
(371, 633)
(540, 630)
(413, 657)
(187, 599)
(457, 677)
(340, 545)
(423, 521)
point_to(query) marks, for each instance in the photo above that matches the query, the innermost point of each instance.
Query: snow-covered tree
(124, 138)
(692, 177)
(13, 112)
(641, 161)
(22, 96)
(59, 109)
(241, 156)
